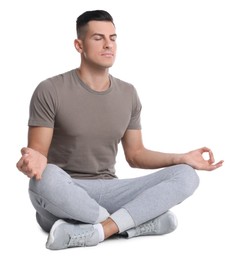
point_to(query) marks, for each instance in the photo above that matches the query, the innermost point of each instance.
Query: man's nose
(108, 44)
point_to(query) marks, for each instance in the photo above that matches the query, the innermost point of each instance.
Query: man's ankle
(110, 228)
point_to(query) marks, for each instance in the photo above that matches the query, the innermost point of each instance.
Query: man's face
(99, 44)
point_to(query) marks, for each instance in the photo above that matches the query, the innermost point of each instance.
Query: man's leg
(133, 202)
(56, 196)
(145, 198)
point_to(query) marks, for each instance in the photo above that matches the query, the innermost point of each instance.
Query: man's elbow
(132, 164)
(132, 161)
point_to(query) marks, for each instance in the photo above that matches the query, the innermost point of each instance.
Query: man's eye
(97, 38)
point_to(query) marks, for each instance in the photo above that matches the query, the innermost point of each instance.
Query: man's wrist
(179, 159)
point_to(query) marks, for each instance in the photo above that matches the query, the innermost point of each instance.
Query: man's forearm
(147, 159)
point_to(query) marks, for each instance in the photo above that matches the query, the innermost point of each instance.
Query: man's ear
(78, 45)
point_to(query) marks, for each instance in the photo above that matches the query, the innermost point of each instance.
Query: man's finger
(25, 150)
(37, 176)
(211, 159)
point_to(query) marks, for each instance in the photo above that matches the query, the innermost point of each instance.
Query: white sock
(100, 231)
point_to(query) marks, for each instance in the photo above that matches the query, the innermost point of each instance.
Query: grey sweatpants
(129, 202)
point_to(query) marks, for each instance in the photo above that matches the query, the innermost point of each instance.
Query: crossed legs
(118, 204)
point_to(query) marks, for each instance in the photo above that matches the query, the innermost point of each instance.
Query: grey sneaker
(64, 235)
(163, 224)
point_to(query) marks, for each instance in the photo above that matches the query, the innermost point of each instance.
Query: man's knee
(189, 179)
(48, 179)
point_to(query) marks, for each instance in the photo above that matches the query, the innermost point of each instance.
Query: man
(76, 121)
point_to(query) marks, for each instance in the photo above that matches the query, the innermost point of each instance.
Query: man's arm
(140, 157)
(34, 157)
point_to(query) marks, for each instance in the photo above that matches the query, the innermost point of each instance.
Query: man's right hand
(32, 163)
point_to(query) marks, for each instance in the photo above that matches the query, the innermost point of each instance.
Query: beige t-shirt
(88, 125)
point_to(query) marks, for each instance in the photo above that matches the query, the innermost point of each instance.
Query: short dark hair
(95, 15)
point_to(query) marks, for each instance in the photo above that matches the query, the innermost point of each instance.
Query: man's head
(96, 39)
(96, 15)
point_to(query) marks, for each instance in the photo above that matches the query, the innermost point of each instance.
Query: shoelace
(79, 240)
(146, 228)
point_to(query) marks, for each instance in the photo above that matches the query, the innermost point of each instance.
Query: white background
(181, 57)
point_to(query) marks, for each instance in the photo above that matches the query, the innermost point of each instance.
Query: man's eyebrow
(102, 35)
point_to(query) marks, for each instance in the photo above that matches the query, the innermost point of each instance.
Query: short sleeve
(135, 120)
(43, 105)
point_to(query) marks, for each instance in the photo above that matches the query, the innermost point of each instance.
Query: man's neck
(96, 80)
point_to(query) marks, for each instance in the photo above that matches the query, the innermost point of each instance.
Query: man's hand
(32, 163)
(196, 160)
